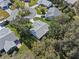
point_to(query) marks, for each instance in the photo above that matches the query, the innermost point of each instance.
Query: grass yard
(41, 9)
(3, 15)
(32, 2)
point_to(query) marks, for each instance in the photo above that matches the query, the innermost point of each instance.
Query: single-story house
(4, 4)
(52, 12)
(13, 14)
(45, 3)
(39, 29)
(70, 2)
(7, 40)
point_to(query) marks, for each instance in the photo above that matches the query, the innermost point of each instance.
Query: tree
(20, 4)
(77, 8)
(58, 2)
(70, 41)
(56, 31)
(44, 51)
(24, 12)
(64, 19)
(22, 26)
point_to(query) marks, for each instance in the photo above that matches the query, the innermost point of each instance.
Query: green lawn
(41, 9)
(42, 19)
(32, 2)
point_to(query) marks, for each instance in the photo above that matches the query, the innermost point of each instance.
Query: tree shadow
(27, 38)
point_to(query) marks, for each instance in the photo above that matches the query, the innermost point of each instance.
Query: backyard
(32, 2)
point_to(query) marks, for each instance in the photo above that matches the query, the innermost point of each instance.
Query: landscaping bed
(3, 15)
(24, 12)
(32, 2)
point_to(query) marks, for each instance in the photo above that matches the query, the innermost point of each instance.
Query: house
(7, 40)
(45, 3)
(52, 12)
(39, 29)
(70, 2)
(9, 45)
(13, 14)
(4, 4)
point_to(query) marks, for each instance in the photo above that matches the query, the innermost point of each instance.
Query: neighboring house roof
(13, 14)
(6, 35)
(4, 3)
(53, 12)
(8, 45)
(38, 24)
(1, 0)
(45, 2)
(71, 1)
(39, 29)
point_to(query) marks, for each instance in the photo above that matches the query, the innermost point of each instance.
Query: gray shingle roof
(53, 12)
(45, 2)
(71, 1)
(6, 34)
(13, 14)
(8, 45)
(4, 3)
(1, 0)
(39, 29)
